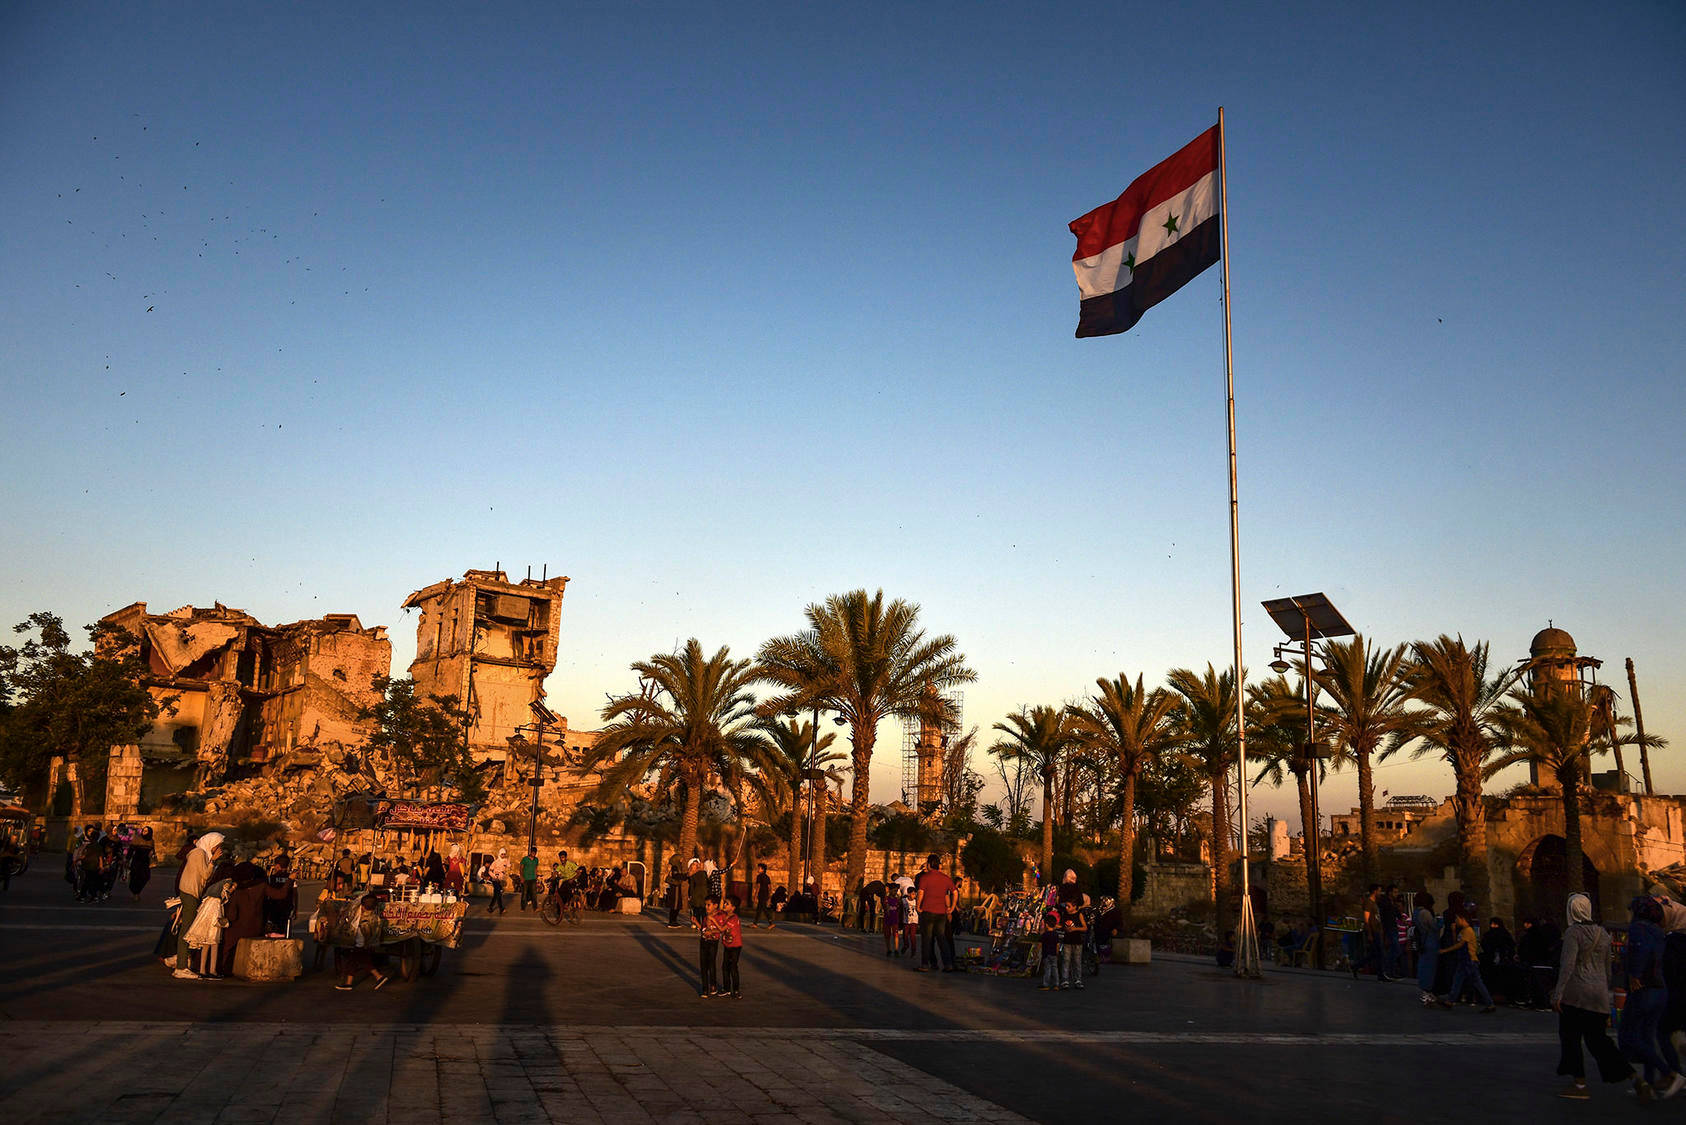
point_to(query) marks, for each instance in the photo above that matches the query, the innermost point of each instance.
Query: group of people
(1653, 971)
(431, 871)
(97, 861)
(1065, 928)
(220, 902)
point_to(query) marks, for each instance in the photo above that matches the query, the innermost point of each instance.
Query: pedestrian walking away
(1647, 1001)
(1581, 998)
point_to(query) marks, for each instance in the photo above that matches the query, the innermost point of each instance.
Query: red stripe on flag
(1115, 222)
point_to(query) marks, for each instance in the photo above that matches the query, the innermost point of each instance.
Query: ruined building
(490, 643)
(241, 694)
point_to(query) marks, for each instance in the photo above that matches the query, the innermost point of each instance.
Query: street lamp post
(543, 719)
(1303, 618)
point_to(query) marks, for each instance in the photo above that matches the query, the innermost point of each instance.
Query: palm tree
(1367, 705)
(1039, 737)
(790, 743)
(1204, 720)
(1459, 703)
(1276, 737)
(1132, 728)
(1552, 726)
(689, 723)
(867, 660)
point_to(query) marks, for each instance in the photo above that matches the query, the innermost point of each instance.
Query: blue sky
(721, 309)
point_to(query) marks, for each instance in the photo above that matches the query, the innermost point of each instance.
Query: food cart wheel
(410, 959)
(430, 956)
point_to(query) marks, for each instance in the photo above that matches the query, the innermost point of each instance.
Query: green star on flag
(1171, 225)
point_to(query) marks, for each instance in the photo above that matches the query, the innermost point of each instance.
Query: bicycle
(556, 906)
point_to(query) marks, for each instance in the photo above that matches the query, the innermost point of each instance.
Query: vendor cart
(415, 932)
(15, 822)
(406, 923)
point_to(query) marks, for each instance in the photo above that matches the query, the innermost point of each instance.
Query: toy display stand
(1015, 948)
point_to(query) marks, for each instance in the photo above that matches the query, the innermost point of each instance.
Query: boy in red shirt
(726, 920)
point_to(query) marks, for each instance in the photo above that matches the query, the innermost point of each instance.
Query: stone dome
(1551, 641)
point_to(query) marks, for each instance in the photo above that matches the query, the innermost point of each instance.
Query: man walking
(937, 896)
(697, 885)
(530, 879)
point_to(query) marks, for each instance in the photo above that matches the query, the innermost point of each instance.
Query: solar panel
(1292, 614)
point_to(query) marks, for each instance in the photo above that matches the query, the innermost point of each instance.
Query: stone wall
(1168, 885)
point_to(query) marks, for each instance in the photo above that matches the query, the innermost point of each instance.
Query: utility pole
(543, 719)
(1639, 728)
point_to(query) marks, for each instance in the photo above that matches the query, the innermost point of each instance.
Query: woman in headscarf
(1581, 998)
(455, 877)
(140, 861)
(434, 874)
(1647, 999)
(281, 902)
(1427, 932)
(195, 878)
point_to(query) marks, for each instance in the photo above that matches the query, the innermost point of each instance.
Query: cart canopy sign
(414, 814)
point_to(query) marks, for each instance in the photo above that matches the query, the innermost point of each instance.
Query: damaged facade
(240, 694)
(490, 643)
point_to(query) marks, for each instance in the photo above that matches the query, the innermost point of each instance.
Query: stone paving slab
(129, 1071)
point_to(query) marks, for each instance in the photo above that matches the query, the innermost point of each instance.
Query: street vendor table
(415, 932)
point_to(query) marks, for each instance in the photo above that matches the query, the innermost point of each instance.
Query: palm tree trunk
(860, 801)
(1366, 810)
(1220, 848)
(1047, 828)
(1472, 826)
(1571, 780)
(795, 864)
(1127, 849)
(688, 821)
(1308, 830)
(816, 831)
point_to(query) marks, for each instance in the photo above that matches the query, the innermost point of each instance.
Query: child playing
(910, 924)
(708, 946)
(731, 940)
(1051, 935)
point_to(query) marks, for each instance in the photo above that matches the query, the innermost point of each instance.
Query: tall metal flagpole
(1246, 933)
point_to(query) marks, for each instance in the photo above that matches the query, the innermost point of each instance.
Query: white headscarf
(708, 866)
(455, 851)
(1580, 909)
(503, 852)
(208, 843)
(1070, 875)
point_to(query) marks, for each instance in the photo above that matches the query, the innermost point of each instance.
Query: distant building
(1392, 821)
(490, 643)
(239, 694)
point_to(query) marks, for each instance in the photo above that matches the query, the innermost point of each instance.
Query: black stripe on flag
(1154, 280)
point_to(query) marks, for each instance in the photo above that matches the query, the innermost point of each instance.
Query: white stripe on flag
(1098, 276)
(1106, 272)
(1191, 207)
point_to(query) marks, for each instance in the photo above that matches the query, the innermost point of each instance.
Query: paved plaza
(601, 1022)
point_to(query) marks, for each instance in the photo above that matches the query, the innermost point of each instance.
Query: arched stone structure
(1541, 881)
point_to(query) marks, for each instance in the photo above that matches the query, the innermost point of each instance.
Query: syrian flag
(1142, 247)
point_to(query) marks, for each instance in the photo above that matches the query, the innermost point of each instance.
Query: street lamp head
(840, 720)
(1279, 666)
